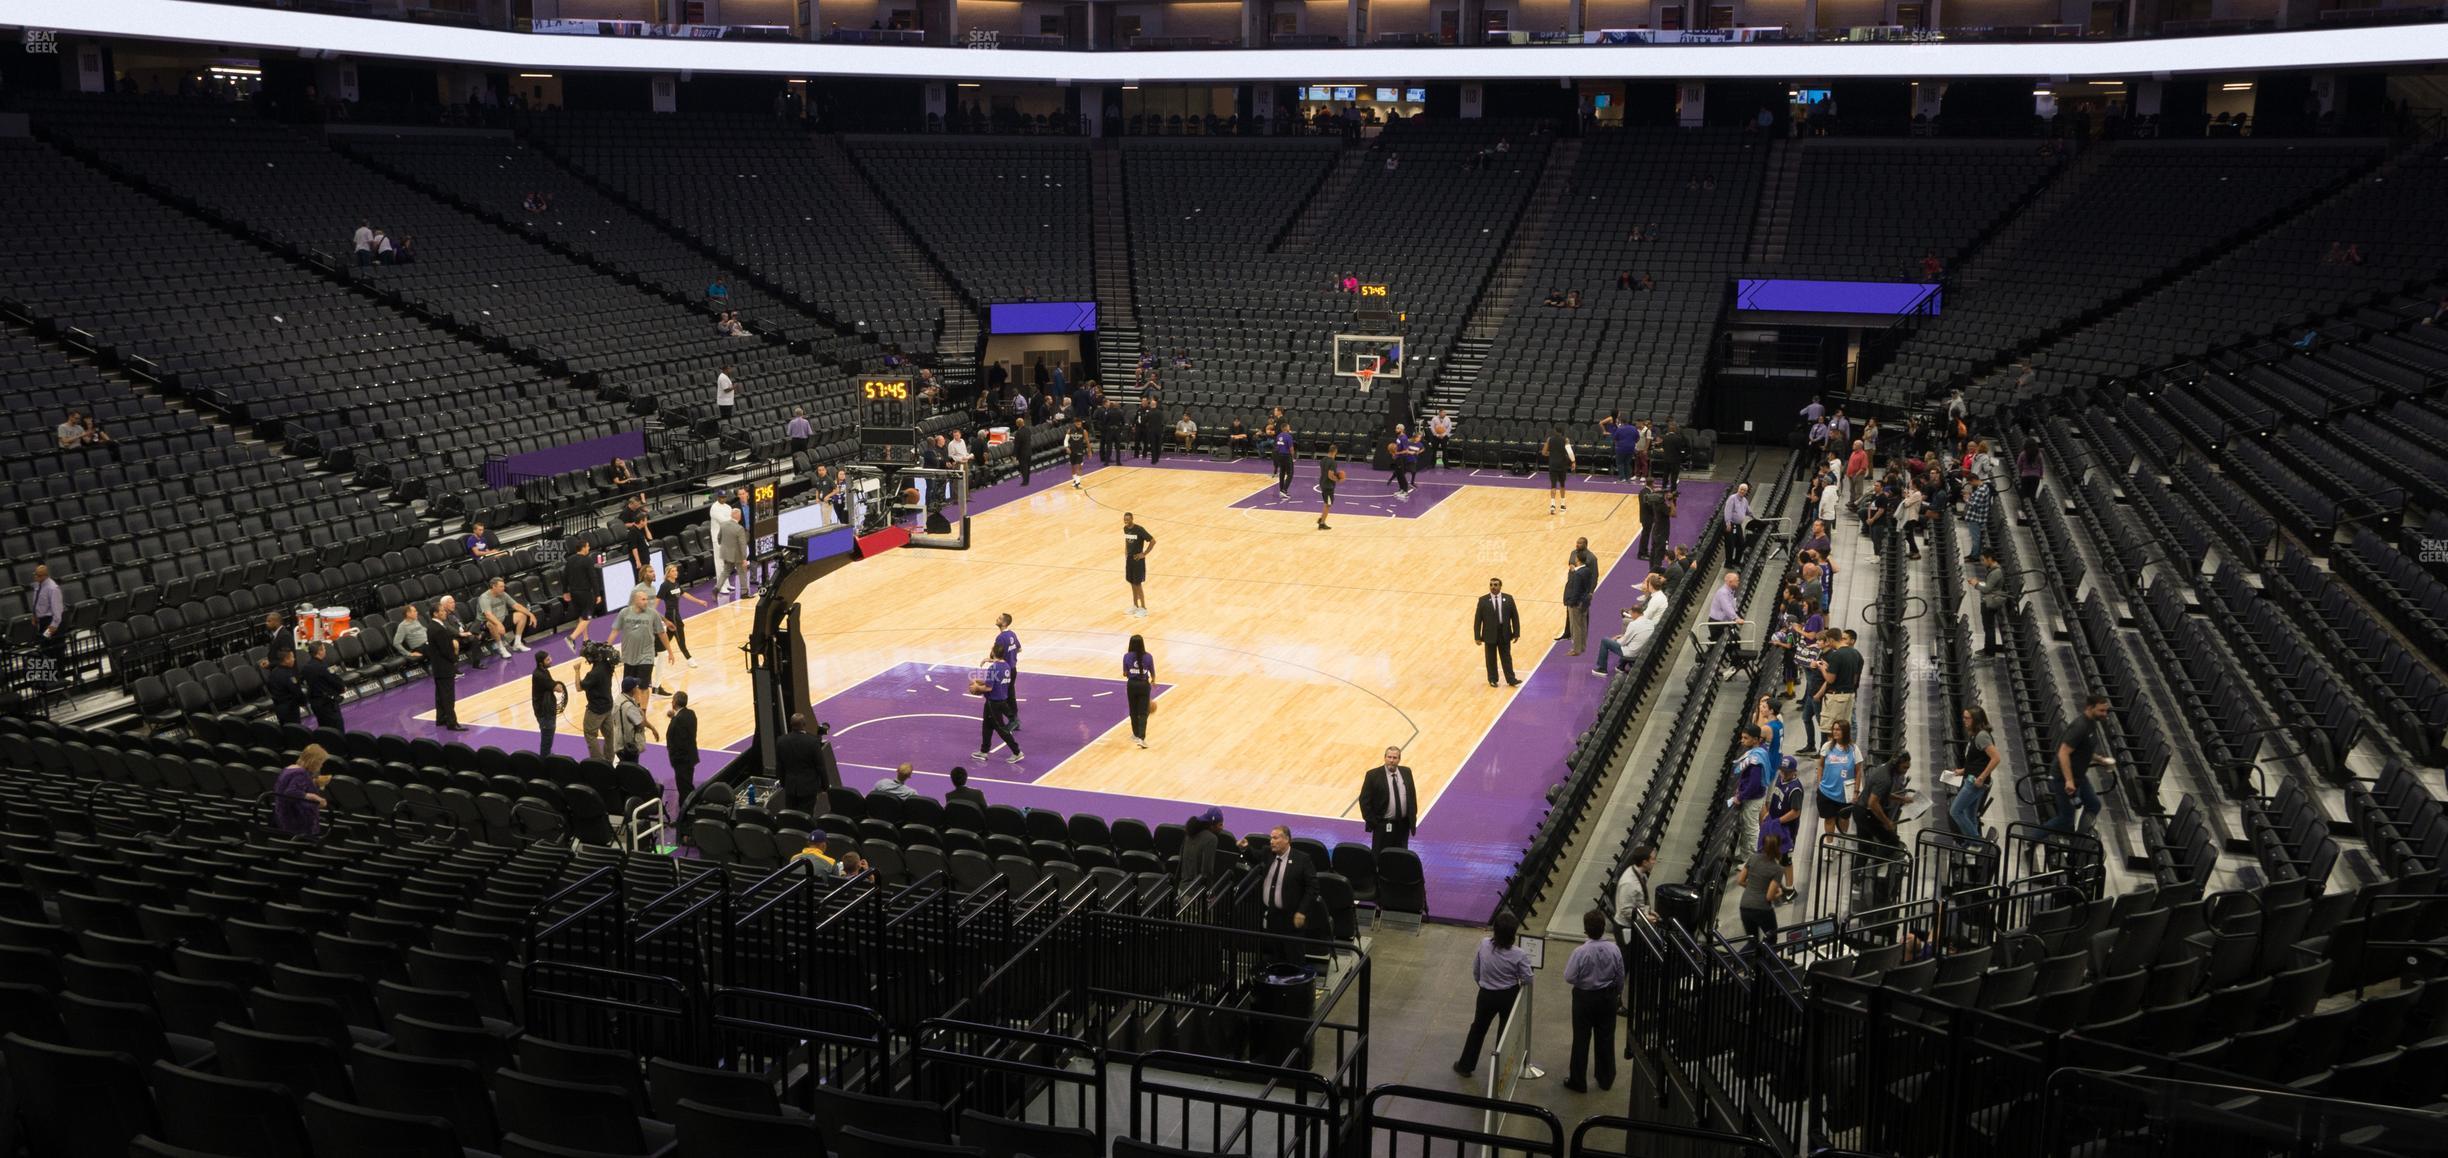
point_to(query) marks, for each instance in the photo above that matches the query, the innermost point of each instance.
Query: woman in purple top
(1139, 682)
(297, 808)
(2027, 470)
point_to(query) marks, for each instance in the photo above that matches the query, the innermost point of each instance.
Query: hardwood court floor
(1294, 655)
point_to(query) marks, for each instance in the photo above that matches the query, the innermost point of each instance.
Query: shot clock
(886, 402)
(888, 414)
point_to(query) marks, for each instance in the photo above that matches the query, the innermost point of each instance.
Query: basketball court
(1287, 657)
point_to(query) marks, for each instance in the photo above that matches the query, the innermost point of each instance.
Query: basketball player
(1137, 545)
(1330, 472)
(1283, 457)
(994, 684)
(1407, 457)
(1560, 459)
(1007, 641)
(1075, 444)
(1139, 682)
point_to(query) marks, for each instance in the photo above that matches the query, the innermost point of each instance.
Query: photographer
(603, 660)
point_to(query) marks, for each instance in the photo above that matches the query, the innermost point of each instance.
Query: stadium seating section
(2237, 532)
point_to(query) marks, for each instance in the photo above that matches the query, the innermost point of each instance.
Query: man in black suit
(800, 761)
(1656, 519)
(444, 636)
(1495, 626)
(1285, 883)
(280, 683)
(324, 689)
(962, 791)
(1389, 803)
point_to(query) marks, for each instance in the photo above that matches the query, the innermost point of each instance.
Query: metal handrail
(1525, 1008)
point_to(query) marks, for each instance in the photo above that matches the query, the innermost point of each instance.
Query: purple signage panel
(1041, 318)
(511, 470)
(1795, 296)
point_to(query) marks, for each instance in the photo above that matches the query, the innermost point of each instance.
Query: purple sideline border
(1470, 835)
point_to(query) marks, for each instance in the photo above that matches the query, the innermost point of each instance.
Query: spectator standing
(1736, 515)
(1841, 663)
(1997, 593)
(1978, 763)
(1627, 439)
(1782, 817)
(548, 698)
(1762, 882)
(630, 727)
(1389, 803)
(1632, 888)
(1672, 449)
(361, 243)
(1500, 968)
(680, 745)
(1883, 796)
(800, 430)
(2078, 747)
(1580, 588)
(805, 765)
(1596, 973)
(2028, 469)
(50, 607)
(1977, 503)
(726, 393)
(596, 722)
(1198, 849)
(1753, 769)
(1440, 432)
(1836, 777)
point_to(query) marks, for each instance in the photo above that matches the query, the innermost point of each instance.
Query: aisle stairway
(958, 346)
(1323, 203)
(1460, 368)
(1118, 345)
(1769, 226)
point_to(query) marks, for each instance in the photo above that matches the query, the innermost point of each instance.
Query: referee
(1137, 545)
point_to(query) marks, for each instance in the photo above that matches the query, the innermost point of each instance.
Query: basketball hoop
(1366, 376)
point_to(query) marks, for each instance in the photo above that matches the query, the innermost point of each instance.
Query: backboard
(1382, 353)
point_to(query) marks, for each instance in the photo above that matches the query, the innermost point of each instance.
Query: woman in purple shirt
(1139, 682)
(1500, 969)
(297, 808)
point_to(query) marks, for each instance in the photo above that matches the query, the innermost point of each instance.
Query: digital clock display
(764, 493)
(1372, 291)
(883, 389)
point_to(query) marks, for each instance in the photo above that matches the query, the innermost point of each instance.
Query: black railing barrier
(1441, 1123)
(1612, 1137)
(1178, 1100)
(2141, 1116)
(805, 1042)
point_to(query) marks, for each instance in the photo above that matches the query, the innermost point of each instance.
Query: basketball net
(1365, 376)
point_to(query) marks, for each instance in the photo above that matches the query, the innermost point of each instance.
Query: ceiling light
(228, 71)
(535, 76)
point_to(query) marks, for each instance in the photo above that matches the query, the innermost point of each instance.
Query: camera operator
(603, 662)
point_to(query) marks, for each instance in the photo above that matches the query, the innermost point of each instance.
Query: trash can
(1286, 990)
(1680, 903)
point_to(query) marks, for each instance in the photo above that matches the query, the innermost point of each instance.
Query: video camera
(599, 653)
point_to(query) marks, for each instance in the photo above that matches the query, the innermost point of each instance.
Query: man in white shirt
(718, 513)
(1632, 889)
(957, 452)
(1440, 429)
(726, 394)
(363, 242)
